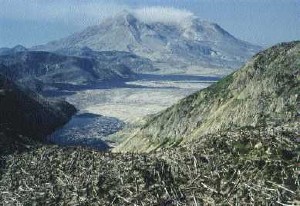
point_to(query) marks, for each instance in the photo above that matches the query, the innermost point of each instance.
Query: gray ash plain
(105, 108)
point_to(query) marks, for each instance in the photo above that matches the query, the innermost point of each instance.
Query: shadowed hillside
(26, 117)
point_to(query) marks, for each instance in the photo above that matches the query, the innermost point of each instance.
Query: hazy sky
(32, 22)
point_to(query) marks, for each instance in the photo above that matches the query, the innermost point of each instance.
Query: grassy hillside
(265, 92)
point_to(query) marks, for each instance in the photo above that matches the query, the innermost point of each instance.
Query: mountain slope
(264, 93)
(37, 69)
(235, 168)
(191, 43)
(135, 63)
(26, 117)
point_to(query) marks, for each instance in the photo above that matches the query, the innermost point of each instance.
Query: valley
(141, 111)
(105, 109)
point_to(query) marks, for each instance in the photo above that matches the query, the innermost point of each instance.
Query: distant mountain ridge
(263, 93)
(15, 49)
(37, 69)
(195, 42)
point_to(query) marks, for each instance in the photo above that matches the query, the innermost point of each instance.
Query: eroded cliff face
(263, 93)
(26, 117)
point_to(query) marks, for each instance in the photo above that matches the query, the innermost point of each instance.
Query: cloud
(168, 15)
